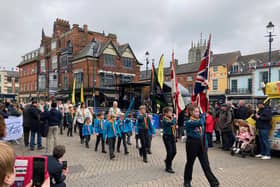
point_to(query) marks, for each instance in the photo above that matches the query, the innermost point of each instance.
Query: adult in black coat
(263, 123)
(55, 168)
(32, 115)
(242, 111)
(26, 125)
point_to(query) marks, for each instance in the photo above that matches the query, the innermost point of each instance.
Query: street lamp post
(147, 62)
(270, 30)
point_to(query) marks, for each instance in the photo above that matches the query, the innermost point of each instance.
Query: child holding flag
(87, 131)
(169, 139)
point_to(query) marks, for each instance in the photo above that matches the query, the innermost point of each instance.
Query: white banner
(14, 128)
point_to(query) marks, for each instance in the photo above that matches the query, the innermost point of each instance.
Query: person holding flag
(196, 145)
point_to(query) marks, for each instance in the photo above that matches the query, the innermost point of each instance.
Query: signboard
(14, 128)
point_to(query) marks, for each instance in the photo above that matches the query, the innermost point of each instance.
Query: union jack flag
(200, 96)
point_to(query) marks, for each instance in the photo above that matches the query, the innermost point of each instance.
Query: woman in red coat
(209, 127)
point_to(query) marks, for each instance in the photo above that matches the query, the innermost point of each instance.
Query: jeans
(26, 131)
(98, 138)
(228, 140)
(111, 142)
(264, 141)
(194, 149)
(170, 146)
(52, 134)
(32, 140)
(209, 139)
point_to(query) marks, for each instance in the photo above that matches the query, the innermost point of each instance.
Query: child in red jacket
(209, 127)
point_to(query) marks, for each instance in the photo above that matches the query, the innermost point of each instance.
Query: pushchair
(247, 148)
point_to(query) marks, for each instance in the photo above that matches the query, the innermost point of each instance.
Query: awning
(184, 92)
(61, 96)
(110, 95)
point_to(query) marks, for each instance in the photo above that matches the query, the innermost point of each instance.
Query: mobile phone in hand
(38, 171)
(64, 164)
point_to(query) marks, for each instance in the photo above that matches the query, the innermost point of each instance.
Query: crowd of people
(113, 128)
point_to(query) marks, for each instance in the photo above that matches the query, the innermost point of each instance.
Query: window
(63, 60)
(234, 69)
(42, 82)
(215, 68)
(42, 50)
(109, 60)
(35, 85)
(69, 47)
(53, 80)
(0, 78)
(9, 79)
(10, 89)
(0, 89)
(127, 62)
(53, 45)
(190, 78)
(263, 78)
(125, 79)
(43, 65)
(278, 76)
(54, 62)
(234, 85)
(16, 89)
(250, 85)
(106, 80)
(31, 86)
(215, 84)
(65, 83)
(79, 79)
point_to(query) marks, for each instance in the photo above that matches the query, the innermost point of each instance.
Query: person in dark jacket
(263, 124)
(4, 111)
(196, 146)
(181, 120)
(225, 125)
(54, 120)
(55, 168)
(32, 115)
(242, 111)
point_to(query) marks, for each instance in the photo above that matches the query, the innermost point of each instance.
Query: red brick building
(94, 59)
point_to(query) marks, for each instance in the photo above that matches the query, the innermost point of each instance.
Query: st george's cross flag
(200, 96)
(177, 98)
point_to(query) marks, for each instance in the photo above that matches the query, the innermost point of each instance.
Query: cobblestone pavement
(90, 168)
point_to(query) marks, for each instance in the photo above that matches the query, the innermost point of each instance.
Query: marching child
(87, 131)
(99, 123)
(151, 133)
(143, 125)
(128, 125)
(122, 136)
(70, 115)
(110, 131)
(169, 138)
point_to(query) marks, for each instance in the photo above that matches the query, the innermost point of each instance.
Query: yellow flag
(161, 71)
(82, 93)
(73, 92)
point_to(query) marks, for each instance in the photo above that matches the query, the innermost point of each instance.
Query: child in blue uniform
(128, 122)
(196, 146)
(110, 131)
(169, 139)
(123, 134)
(99, 123)
(143, 125)
(87, 131)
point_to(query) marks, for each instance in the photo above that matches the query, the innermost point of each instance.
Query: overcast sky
(154, 25)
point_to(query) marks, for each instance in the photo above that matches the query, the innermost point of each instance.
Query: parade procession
(79, 106)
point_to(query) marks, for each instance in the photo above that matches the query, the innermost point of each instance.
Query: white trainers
(259, 156)
(266, 157)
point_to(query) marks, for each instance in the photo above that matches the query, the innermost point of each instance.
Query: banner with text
(14, 128)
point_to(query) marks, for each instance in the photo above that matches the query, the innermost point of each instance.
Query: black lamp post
(270, 30)
(147, 62)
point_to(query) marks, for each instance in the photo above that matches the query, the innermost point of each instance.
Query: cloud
(154, 25)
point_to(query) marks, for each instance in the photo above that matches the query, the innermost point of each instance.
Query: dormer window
(42, 50)
(69, 47)
(235, 68)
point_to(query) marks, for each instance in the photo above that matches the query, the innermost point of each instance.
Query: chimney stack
(85, 28)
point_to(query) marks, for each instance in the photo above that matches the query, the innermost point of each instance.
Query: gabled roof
(96, 48)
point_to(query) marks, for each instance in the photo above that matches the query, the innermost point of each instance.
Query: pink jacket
(243, 136)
